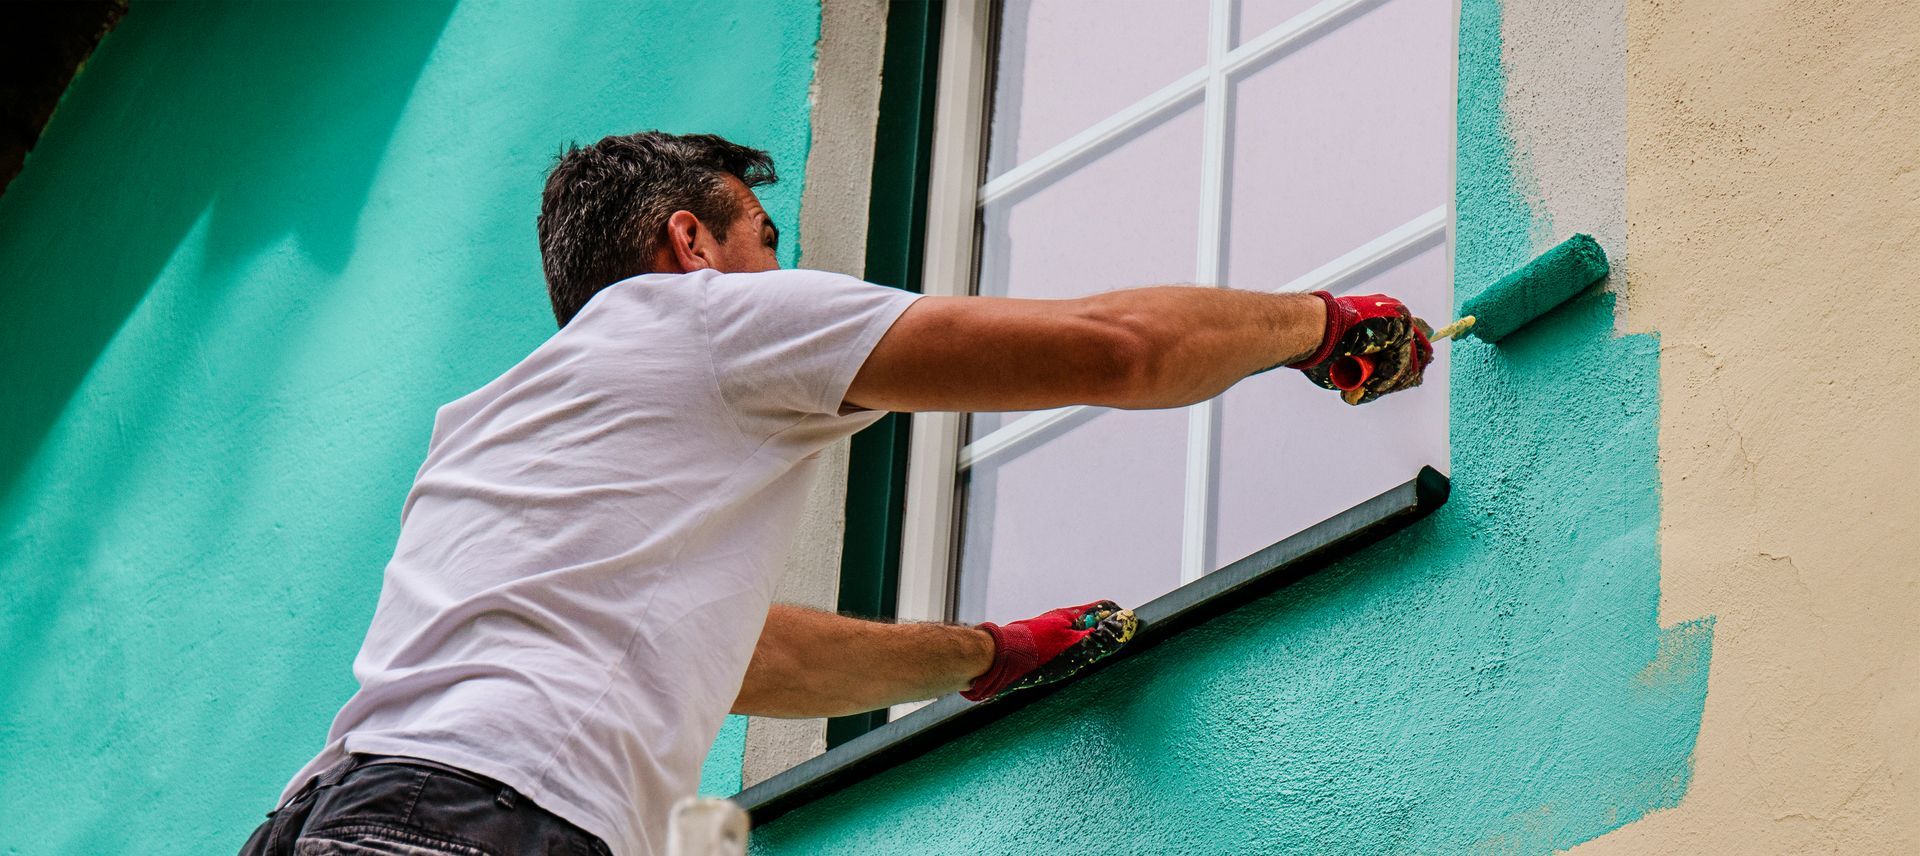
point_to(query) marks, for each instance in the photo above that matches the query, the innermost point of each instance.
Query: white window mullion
(927, 530)
(1196, 557)
(1169, 98)
(1311, 24)
(1306, 26)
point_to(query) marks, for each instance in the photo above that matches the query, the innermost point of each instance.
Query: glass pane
(1128, 218)
(1339, 141)
(1064, 65)
(1093, 513)
(1251, 18)
(1292, 454)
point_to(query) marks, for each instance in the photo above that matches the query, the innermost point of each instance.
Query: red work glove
(1372, 346)
(1051, 646)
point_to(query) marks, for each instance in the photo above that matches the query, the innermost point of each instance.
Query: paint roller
(1551, 279)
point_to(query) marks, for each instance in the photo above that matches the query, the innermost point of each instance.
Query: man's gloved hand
(1051, 646)
(1373, 343)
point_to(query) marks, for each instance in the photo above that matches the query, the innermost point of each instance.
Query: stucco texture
(258, 245)
(1774, 203)
(1494, 679)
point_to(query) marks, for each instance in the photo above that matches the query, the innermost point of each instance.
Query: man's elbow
(1132, 366)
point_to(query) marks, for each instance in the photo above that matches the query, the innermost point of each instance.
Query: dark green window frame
(896, 233)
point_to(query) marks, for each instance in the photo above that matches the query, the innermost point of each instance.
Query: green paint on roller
(1536, 288)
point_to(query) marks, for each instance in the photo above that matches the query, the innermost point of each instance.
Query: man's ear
(688, 245)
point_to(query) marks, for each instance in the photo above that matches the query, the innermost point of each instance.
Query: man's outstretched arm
(1162, 346)
(810, 663)
(1141, 348)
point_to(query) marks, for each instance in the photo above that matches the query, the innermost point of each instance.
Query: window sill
(950, 717)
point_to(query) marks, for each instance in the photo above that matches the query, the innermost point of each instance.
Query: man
(582, 585)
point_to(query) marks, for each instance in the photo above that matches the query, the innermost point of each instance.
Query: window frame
(951, 717)
(924, 525)
(928, 569)
(877, 459)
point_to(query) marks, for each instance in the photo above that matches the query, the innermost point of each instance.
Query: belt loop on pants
(324, 779)
(332, 775)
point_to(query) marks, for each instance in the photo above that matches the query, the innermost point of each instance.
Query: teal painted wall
(1493, 679)
(258, 245)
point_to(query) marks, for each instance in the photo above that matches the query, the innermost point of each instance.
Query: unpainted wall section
(257, 246)
(1774, 200)
(1494, 679)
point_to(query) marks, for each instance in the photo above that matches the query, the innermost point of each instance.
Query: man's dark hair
(604, 212)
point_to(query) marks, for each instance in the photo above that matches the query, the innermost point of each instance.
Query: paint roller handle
(1350, 372)
(1454, 330)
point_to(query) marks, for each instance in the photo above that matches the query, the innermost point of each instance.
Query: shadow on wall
(215, 127)
(212, 132)
(257, 247)
(194, 157)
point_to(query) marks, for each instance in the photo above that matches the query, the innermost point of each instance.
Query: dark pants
(387, 806)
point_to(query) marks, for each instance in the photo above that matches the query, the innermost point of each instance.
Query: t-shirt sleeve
(788, 343)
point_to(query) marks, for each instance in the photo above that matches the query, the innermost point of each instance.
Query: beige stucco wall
(1773, 200)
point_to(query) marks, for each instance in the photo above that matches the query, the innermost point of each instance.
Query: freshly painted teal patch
(720, 776)
(1494, 679)
(258, 245)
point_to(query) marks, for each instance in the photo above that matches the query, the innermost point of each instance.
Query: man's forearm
(1194, 343)
(1160, 346)
(810, 663)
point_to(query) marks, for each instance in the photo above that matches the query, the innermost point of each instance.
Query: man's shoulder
(719, 298)
(789, 290)
(783, 276)
(668, 286)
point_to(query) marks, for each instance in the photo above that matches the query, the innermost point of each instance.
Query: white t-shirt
(588, 553)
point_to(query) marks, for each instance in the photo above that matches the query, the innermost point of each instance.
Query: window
(1263, 144)
(1077, 147)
